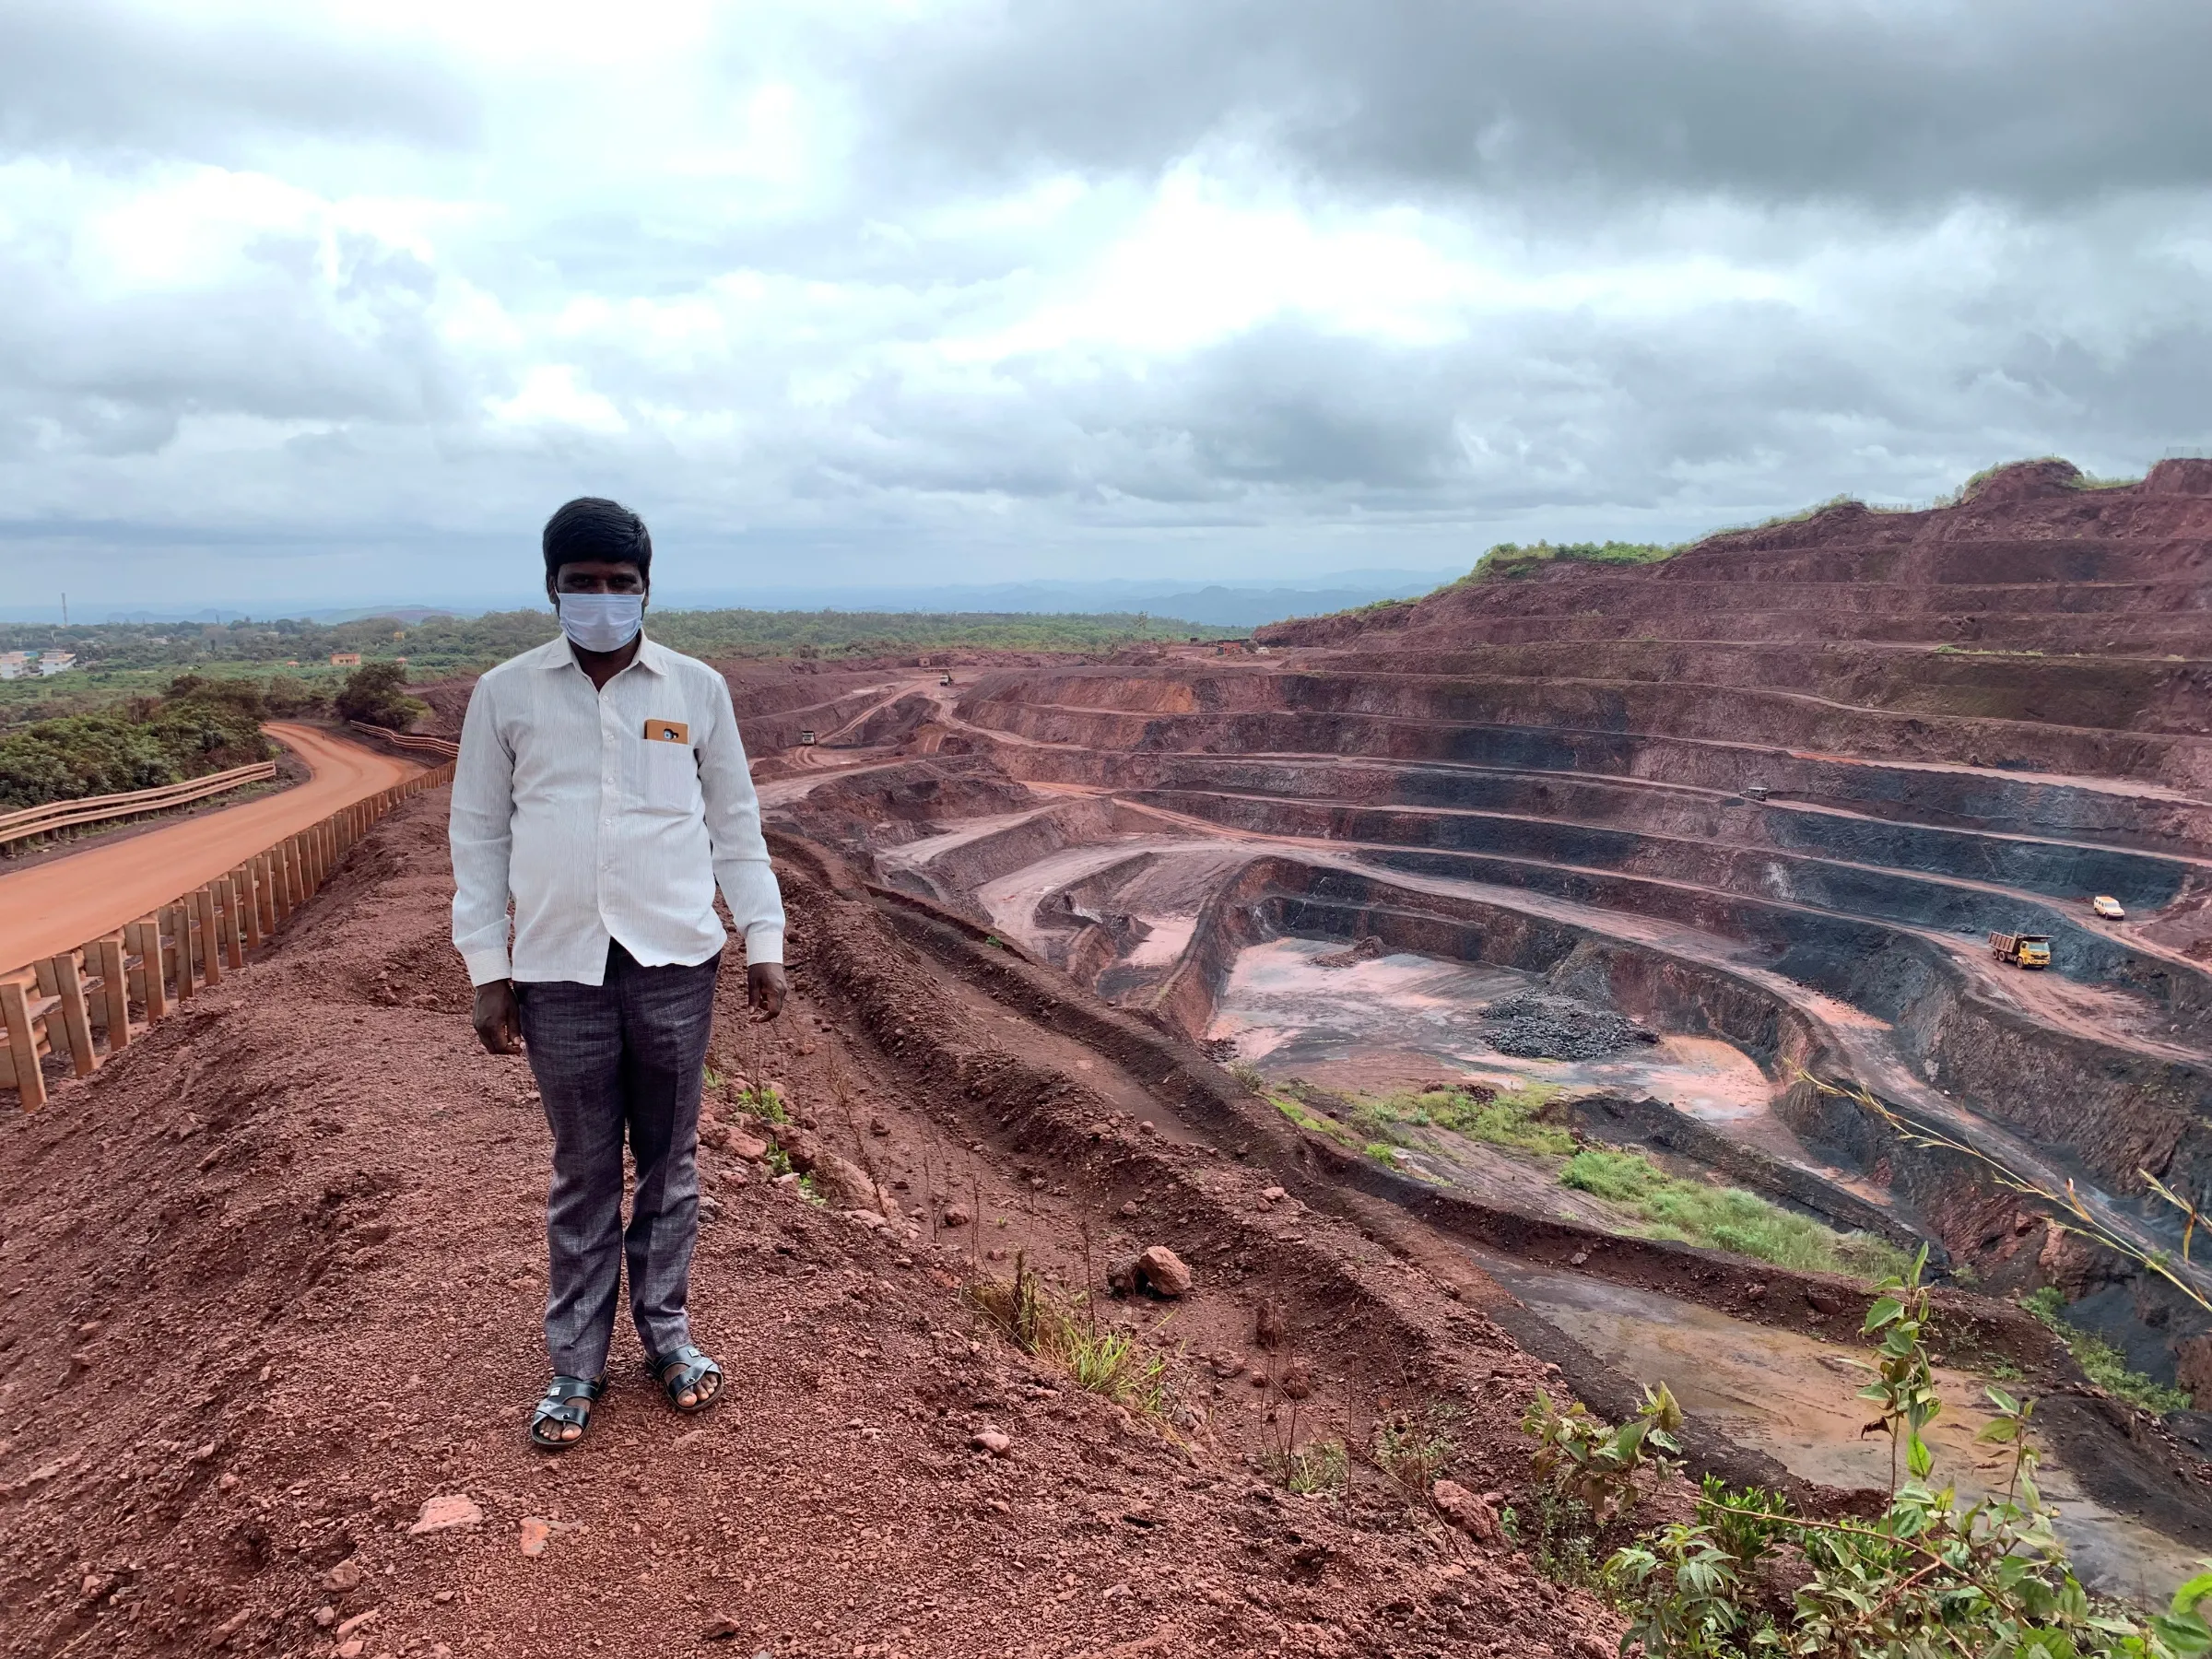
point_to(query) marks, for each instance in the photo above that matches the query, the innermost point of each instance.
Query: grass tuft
(1727, 1218)
(1317, 1466)
(1061, 1329)
(2105, 1365)
(1515, 1120)
(1415, 1448)
(1316, 1122)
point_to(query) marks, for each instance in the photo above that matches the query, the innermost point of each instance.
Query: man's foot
(688, 1377)
(564, 1412)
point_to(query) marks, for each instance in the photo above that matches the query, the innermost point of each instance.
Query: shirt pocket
(667, 777)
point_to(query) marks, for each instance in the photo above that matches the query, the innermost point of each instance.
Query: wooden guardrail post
(249, 906)
(153, 991)
(22, 1044)
(77, 1024)
(286, 858)
(115, 992)
(179, 953)
(234, 931)
(211, 937)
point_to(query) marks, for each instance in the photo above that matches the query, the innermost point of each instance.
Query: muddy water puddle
(1404, 1019)
(1790, 1396)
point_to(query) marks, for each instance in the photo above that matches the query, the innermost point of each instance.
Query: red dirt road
(59, 905)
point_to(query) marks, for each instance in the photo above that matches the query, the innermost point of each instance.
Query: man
(603, 788)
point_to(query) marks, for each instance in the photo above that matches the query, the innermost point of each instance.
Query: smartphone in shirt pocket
(667, 766)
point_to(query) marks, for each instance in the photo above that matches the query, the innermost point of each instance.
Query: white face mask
(601, 621)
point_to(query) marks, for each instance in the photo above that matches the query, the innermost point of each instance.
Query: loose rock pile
(1538, 1026)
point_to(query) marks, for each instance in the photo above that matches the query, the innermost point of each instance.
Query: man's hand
(764, 990)
(499, 1017)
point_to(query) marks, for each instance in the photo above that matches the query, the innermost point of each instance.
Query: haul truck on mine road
(2022, 950)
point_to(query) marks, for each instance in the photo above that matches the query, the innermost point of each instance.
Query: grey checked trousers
(616, 1060)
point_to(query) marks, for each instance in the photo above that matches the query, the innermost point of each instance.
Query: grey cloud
(100, 75)
(1563, 137)
(2042, 100)
(116, 376)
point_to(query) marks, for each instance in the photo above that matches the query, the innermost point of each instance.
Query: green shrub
(375, 694)
(1509, 559)
(1931, 1576)
(200, 726)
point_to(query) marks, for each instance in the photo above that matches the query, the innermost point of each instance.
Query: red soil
(271, 1283)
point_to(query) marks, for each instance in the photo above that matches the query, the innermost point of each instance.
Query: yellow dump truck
(2022, 950)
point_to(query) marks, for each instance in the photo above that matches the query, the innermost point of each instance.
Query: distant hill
(1218, 604)
(1224, 604)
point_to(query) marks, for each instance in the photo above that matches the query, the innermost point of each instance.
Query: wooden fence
(412, 743)
(101, 809)
(87, 1004)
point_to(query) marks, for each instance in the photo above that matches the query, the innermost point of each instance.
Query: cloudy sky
(310, 301)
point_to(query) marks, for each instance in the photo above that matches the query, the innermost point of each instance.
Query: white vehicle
(2105, 905)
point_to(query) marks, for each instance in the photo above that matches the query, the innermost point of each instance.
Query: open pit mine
(1225, 1086)
(1699, 862)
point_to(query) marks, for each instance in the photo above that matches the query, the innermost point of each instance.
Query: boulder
(1473, 1515)
(446, 1512)
(845, 1185)
(1162, 1271)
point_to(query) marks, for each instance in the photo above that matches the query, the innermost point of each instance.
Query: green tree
(375, 694)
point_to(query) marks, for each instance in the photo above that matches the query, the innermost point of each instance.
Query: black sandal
(682, 1372)
(560, 1407)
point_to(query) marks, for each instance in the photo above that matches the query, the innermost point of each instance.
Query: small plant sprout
(1584, 1460)
(1905, 1385)
(1415, 1448)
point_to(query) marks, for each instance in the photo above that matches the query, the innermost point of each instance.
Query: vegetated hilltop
(2029, 556)
(127, 656)
(197, 727)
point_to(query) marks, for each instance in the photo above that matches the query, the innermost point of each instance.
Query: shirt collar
(651, 657)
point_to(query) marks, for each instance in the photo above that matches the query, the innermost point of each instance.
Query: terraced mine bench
(1770, 794)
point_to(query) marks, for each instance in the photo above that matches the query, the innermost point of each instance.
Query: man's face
(598, 576)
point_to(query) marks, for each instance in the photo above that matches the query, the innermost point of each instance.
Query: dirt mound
(887, 805)
(1537, 1026)
(271, 1285)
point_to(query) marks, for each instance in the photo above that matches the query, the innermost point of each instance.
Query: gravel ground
(1537, 1026)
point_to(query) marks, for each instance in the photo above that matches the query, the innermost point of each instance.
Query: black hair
(591, 528)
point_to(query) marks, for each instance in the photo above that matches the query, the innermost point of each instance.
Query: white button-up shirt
(605, 814)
